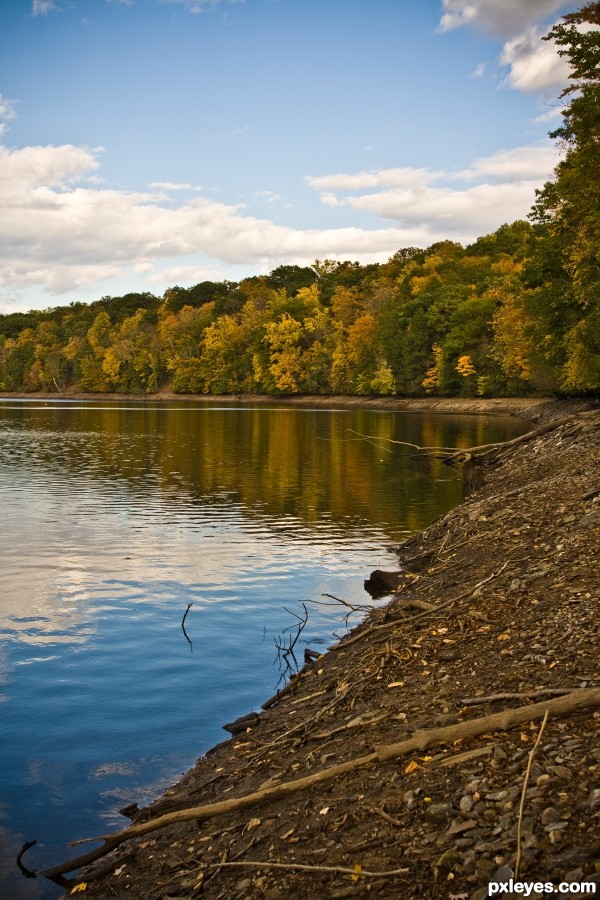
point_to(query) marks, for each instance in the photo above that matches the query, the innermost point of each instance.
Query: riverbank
(496, 609)
(519, 406)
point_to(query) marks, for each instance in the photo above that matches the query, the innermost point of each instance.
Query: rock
(561, 772)
(593, 800)
(550, 815)
(438, 812)
(449, 859)
(465, 805)
(381, 583)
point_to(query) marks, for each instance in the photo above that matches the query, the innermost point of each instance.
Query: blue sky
(150, 143)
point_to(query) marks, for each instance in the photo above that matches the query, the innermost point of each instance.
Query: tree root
(419, 741)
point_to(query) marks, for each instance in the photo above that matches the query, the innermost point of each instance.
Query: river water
(114, 518)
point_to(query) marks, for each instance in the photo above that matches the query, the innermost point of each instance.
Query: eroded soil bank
(496, 611)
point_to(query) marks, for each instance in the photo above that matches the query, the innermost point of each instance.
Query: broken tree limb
(525, 695)
(571, 703)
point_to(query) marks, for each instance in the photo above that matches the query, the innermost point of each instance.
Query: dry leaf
(411, 767)
(324, 811)
(503, 637)
(396, 684)
(79, 887)
(253, 823)
(358, 870)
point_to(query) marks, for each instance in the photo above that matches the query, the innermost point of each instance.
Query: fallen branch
(523, 795)
(337, 870)
(419, 741)
(431, 609)
(526, 695)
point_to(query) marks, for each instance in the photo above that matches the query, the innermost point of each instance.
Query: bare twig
(524, 792)
(338, 870)
(189, 606)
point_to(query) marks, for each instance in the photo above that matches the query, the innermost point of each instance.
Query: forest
(514, 313)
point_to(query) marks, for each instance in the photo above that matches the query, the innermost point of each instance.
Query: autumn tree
(569, 207)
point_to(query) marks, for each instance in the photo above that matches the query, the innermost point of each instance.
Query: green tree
(569, 204)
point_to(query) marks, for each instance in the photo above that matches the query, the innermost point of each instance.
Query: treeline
(515, 312)
(447, 320)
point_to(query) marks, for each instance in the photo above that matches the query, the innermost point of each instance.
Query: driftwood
(419, 741)
(525, 695)
(473, 459)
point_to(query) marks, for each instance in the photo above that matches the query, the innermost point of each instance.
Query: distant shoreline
(518, 406)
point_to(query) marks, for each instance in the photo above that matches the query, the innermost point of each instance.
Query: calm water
(113, 518)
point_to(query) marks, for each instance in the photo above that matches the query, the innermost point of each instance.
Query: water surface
(114, 517)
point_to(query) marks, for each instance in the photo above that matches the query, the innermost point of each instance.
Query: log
(571, 703)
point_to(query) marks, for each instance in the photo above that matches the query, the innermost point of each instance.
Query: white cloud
(519, 164)
(534, 64)
(183, 275)
(435, 201)
(62, 234)
(7, 109)
(377, 178)
(42, 7)
(497, 17)
(199, 6)
(175, 186)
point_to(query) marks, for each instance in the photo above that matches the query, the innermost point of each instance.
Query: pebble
(465, 805)
(438, 812)
(561, 772)
(550, 815)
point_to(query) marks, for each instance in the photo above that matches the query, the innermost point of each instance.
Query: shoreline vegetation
(449, 740)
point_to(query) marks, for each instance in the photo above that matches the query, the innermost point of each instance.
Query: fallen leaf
(411, 767)
(358, 870)
(119, 870)
(253, 823)
(396, 684)
(324, 811)
(79, 887)
(503, 637)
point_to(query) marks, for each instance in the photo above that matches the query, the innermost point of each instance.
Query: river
(118, 517)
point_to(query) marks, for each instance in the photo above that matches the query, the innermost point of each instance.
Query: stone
(438, 812)
(549, 815)
(448, 859)
(465, 805)
(561, 772)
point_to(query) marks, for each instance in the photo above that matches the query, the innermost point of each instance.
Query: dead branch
(524, 792)
(337, 870)
(526, 695)
(427, 612)
(189, 606)
(571, 703)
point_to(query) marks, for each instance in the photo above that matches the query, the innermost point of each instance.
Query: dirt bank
(379, 773)
(520, 406)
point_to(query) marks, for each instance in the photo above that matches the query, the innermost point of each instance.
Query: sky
(152, 143)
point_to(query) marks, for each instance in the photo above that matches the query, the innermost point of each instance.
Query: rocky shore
(415, 758)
